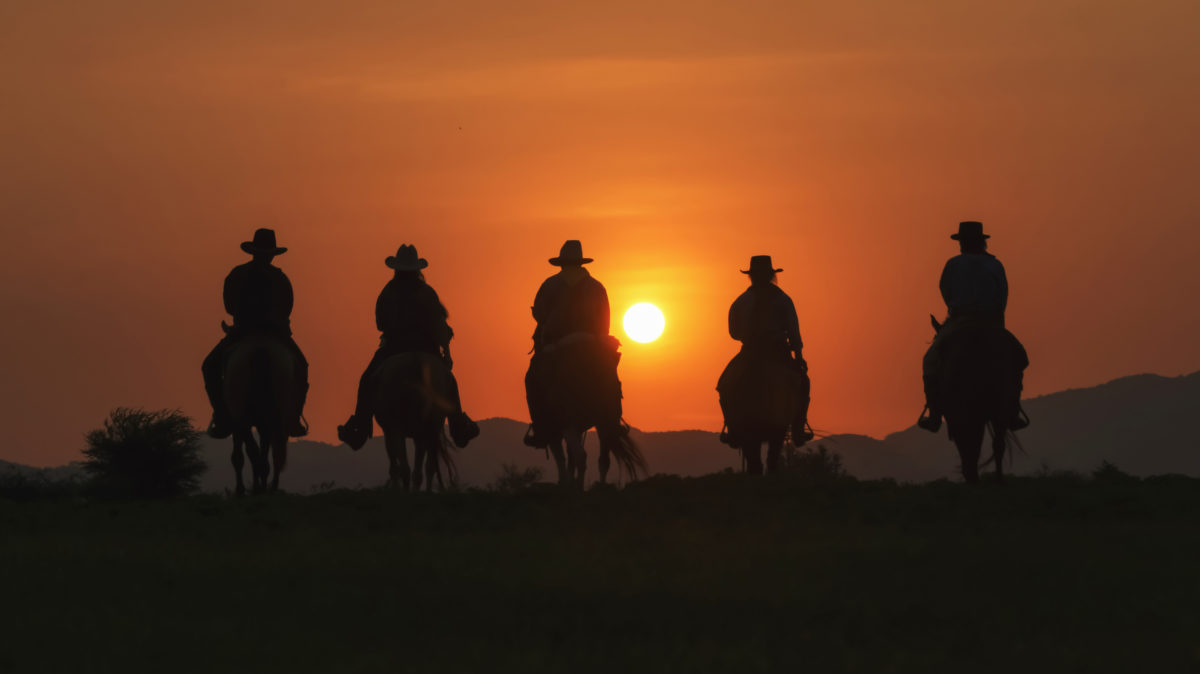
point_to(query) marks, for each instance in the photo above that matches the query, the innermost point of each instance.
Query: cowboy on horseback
(763, 319)
(259, 297)
(411, 318)
(975, 289)
(568, 304)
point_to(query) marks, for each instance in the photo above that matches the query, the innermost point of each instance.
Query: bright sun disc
(644, 322)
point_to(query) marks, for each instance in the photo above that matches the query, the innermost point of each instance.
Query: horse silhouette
(760, 402)
(981, 388)
(260, 390)
(579, 373)
(413, 399)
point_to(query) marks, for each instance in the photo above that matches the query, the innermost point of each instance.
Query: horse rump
(758, 396)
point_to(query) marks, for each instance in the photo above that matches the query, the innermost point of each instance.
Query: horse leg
(560, 461)
(279, 457)
(255, 454)
(774, 450)
(969, 442)
(576, 456)
(419, 459)
(432, 469)
(264, 458)
(398, 472)
(752, 452)
(999, 444)
(239, 460)
(604, 461)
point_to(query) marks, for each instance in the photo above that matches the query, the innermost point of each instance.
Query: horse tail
(626, 452)
(991, 431)
(1011, 441)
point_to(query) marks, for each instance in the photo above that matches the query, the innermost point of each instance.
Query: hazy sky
(142, 141)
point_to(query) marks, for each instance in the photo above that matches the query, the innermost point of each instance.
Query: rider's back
(975, 285)
(569, 302)
(411, 316)
(259, 297)
(764, 318)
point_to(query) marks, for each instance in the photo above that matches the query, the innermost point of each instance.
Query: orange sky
(143, 141)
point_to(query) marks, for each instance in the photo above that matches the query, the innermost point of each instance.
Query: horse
(412, 401)
(759, 398)
(261, 393)
(980, 384)
(579, 374)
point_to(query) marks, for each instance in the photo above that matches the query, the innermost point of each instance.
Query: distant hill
(1143, 424)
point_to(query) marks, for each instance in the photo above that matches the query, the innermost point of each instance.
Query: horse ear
(933, 320)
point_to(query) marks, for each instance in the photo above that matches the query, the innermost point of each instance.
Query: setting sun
(644, 322)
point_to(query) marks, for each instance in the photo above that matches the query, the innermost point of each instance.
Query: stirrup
(799, 438)
(462, 429)
(354, 432)
(533, 440)
(931, 423)
(219, 429)
(1019, 422)
(299, 427)
(726, 436)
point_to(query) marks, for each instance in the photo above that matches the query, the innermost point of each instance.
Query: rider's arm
(737, 320)
(1003, 287)
(287, 298)
(381, 309)
(229, 293)
(437, 319)
(792, 326)
(951, 277)
(601, 312)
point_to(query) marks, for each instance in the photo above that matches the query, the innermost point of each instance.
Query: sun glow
(644, 322)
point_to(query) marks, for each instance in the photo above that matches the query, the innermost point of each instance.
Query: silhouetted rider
(975, 290)
(412, 318)
(259, 297)
(763, 319)
(567, 303)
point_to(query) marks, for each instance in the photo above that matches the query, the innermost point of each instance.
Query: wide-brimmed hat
(406, 259)
(761, 264)
(263, 243)
(570, 253)
(970, 231)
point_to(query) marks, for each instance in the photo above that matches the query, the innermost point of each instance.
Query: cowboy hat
(970, 230)
(263, 243)
(761, 264)
(570, 253)
(406, 259)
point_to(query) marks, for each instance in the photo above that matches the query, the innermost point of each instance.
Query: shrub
(144, 454)
(1109, 474)
(809, 463)
(16, 485)
(513, 479)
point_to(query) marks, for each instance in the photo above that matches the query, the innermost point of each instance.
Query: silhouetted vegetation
(1110, 474)
(513, 479)
(144, 454)
(819, 463)
(28, 486)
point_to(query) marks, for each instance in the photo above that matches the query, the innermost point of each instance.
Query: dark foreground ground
(713, 574)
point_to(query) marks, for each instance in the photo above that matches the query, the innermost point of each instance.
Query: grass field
(724, 573)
